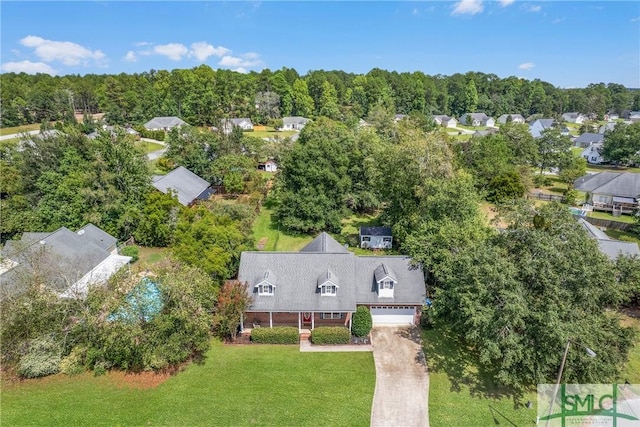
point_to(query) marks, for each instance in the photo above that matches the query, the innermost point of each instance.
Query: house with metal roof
(66, 262)
(164, 123)
(294, 123)
(615, 192)
(188, 186)
(376, 237)
(324, 283)
(610, 247)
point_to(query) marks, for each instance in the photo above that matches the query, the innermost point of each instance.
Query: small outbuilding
(376, 237)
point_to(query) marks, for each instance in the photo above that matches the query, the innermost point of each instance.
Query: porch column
(270, 320)
(299, 323)
(350, 320)
(313, 318)
(241, 322)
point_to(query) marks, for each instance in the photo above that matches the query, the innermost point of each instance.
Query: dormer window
(386, 281)
(328, 284)
(266, 285)
(328, 290)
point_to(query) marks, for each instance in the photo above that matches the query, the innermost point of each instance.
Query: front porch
(303, 320)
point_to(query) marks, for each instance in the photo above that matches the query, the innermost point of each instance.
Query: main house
(188, 186)
(69, 262)
(477, 119)
(611, 191)
(324, 283)
(164, 123)
(243, 123)
(376, 238)
(294, 123)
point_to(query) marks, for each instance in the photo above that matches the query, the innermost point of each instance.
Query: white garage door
(392, 315)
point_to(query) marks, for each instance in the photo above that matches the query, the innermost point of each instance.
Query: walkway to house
(402, 381)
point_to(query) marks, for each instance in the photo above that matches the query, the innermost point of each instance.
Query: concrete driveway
(402, 381)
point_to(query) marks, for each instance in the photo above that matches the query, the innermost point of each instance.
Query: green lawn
(631, 371)
(236, 385)
(627, 219)
(623, 235)
(148, 147)
(269, 132)
(18, 129)
(271, 238)
(461, 396)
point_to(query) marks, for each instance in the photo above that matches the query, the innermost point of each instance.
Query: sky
(566, 43)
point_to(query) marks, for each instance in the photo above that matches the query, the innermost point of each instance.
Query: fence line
(606, 223)
(547, 197)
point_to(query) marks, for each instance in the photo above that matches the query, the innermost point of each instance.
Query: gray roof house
(163, 123)
(576, 118)
(515, 118)
(540, 125)
(324, 283)
(445, 121)
(71, 262)
(593, 154)
(294, 123)
(611, 191)
(477, 119)
(243, 123)
(188, 186)
(586, 139)
(610, 247)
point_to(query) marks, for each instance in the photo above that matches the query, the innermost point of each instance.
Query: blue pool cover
(141, 304)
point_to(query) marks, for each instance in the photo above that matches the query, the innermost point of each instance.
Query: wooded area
(202, 95)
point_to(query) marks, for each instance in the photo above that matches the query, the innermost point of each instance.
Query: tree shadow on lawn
(446, 353)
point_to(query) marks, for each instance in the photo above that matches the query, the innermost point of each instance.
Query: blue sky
(567, 43)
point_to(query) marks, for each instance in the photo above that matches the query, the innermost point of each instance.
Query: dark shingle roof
(625, 184)
(590, 138)
(295, 120)
(164, 122)
(300, 273)
(185, 183)
(324, 244)
(97, 236)
(375, 231)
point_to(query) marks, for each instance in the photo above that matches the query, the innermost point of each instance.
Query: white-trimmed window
(386, 239)
(331, 316)
(328, 289)
(366, 238)
(265, 289)
(387, 284)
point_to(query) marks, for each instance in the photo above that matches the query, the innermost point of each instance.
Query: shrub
(362, 322)
(42, 358)
(541, 181)
(73, 364)
(571, 197)
(131, 251)
(330, 335)
(277, 335)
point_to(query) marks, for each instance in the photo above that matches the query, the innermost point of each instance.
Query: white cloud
(557, 20)
(534, 8)
(470, 7)
(28, 67)
(415, 12)
(636, 19)
(174, 51)
(130, 56)
(506, 3)
(140, 44)
(66, 52)
(526, 66)
(241, 63)
(203, 50)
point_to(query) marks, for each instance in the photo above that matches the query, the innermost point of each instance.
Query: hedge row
(330, 335)
(277, 335)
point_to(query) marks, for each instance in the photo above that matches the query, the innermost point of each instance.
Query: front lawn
(459, 395)
(236, 385)
(148, 146)
(269, 237)
(269, 132)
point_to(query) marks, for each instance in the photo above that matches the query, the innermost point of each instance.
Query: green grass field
(235, 386)
(270, 238)
(627, 219)
(18, 129)
(149, 147)
(269, 132)
(459, 395)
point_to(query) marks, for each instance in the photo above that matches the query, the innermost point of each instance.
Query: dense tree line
(201, 96)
